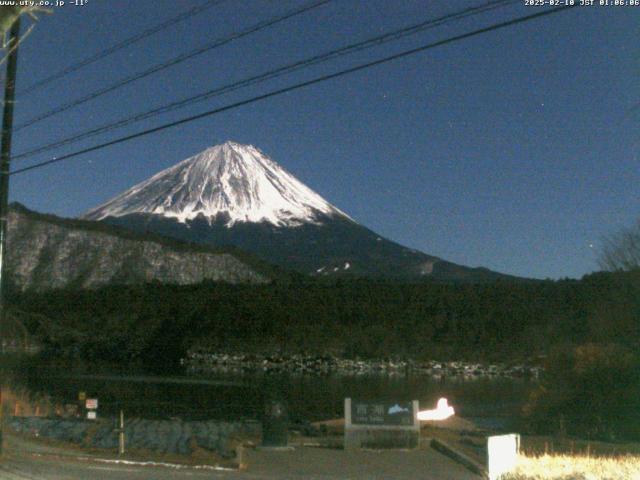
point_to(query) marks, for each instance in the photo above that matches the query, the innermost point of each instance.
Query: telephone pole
(5, 165)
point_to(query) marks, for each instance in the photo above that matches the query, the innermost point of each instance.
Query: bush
(589, 390)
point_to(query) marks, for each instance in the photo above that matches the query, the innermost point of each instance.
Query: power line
(298, 86)
(354, 47)
(174, 61)
(119, 46)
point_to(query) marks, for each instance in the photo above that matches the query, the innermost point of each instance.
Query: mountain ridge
(45, 251)
(233, 194)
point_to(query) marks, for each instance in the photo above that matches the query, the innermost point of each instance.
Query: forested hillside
(350, 318)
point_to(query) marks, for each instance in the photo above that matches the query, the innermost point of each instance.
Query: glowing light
(442, 411)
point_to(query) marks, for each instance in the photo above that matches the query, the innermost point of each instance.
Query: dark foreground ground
(27, 459)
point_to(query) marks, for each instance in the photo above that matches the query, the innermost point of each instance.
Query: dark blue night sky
(516, 150)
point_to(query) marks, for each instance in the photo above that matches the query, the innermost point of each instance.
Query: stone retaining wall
(162, 436)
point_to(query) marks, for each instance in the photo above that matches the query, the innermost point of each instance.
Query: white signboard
(91, 415)
(91, 403)
(502, 451)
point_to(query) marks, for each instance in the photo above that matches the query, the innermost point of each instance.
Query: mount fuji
(233, 194)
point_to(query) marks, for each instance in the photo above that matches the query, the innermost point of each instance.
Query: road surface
(301, 463)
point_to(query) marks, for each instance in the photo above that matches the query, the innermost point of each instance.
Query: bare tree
(621, 251)
(8, 15)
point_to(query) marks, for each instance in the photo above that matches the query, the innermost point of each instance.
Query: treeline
(156, 324)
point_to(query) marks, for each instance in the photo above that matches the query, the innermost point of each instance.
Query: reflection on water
(492, 402)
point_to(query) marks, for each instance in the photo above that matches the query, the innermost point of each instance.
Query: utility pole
(121, 434)
(5, 165)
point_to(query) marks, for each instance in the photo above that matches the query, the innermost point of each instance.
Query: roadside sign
(82, 396)
(382, 413)
(91, 404)
(502, 454)
(91, 415)
(381, 424)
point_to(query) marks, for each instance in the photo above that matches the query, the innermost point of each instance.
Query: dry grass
(537, 445)
(576, 467)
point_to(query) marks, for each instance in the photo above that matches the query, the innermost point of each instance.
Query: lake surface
(491, 402)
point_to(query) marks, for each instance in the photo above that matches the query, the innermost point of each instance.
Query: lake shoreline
(204, 362)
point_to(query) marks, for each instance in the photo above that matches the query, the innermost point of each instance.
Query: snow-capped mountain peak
(234, 180)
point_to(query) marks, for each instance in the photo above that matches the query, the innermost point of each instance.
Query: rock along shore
(200, 361)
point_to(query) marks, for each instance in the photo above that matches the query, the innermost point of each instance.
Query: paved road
(302, 463)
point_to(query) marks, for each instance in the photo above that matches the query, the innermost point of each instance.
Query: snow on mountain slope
(232, 180)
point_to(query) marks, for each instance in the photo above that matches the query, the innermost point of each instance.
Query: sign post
(121, 434)
(381, 424)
